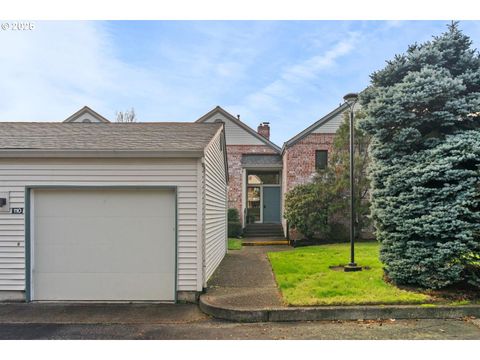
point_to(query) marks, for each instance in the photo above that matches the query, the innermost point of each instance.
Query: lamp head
(351, 98)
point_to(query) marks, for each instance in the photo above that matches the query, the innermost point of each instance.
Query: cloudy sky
(289, 73)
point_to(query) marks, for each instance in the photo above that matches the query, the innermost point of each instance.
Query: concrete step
(264, 230)
(266, 242)
(266, 235)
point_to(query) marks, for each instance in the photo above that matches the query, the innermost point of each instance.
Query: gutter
(32, 153)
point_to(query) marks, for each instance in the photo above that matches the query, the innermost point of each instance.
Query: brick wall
(300, 158)
(234, 157)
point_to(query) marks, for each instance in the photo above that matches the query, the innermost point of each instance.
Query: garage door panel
(96, 245)
(113, 203)
(112, 287)
(88, 244)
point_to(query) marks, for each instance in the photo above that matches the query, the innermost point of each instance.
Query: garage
(111, 211)
(103, 244)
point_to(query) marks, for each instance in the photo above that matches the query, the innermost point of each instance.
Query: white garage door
(103, 244)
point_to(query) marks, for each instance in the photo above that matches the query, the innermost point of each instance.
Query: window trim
(317, 152)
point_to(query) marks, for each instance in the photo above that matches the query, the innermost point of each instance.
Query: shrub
(233, 215)
(234, 225)
(308, 207)
(234, 229)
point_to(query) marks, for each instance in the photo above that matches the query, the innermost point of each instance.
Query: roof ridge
(239, 123)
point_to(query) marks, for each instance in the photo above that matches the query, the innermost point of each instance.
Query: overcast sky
(289, 73)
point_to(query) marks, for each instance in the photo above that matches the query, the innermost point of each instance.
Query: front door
(271, 204)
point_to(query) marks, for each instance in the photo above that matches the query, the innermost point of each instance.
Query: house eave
(262, 166)
(32, 153)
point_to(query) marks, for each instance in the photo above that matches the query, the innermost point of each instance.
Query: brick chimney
(264, 130)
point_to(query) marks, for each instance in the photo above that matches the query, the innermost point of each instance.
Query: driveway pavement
(214, 329)
(68, 313)
(245, 279)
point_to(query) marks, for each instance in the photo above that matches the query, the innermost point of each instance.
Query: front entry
(271, 204)
(263, 197)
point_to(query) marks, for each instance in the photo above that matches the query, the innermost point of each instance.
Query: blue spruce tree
(423, 112)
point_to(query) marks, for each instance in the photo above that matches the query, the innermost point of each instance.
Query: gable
(86, 115)
(235, 135)
(326, 125)
(331, 126)
(236, 132)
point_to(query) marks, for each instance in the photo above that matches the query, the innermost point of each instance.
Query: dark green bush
(233, 215)
(338, 233)
(234, 229)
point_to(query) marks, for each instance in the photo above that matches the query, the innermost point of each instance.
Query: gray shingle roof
(154, 137)
(260, 160)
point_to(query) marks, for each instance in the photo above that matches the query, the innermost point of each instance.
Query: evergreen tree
(423, 111)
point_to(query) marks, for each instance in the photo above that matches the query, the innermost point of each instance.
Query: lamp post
(351, 99)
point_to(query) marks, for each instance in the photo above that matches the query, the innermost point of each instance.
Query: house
(111, 212)
(93, 210)
(261, 172)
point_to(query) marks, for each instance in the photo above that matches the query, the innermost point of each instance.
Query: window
(321, 159)
(258, 178)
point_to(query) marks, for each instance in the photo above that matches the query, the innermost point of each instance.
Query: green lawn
(234, 244)
(304, 277)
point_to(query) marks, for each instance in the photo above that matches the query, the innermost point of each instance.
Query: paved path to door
(245, 279)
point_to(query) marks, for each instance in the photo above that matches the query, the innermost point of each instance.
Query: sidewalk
(244, 279)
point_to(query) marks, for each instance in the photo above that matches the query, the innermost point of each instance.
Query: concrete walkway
(244, 279)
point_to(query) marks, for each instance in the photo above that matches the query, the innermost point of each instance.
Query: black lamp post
(351, 100)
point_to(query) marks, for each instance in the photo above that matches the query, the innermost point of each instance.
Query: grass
(304, 277)
(234, 244)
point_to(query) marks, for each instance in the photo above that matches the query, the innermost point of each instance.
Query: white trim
(31, 241)
(201, 265)
(244, 197)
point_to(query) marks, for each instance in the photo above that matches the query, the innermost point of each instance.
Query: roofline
(241, 124)
(87, 109)
(312, 127)
(220, 131)
(262, 166)
(42, 153)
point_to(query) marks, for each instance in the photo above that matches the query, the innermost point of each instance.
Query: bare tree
(127, 116)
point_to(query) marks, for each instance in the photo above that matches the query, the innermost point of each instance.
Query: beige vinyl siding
(235, 135)
(331, 126)
(215, 206)
(15, 174)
